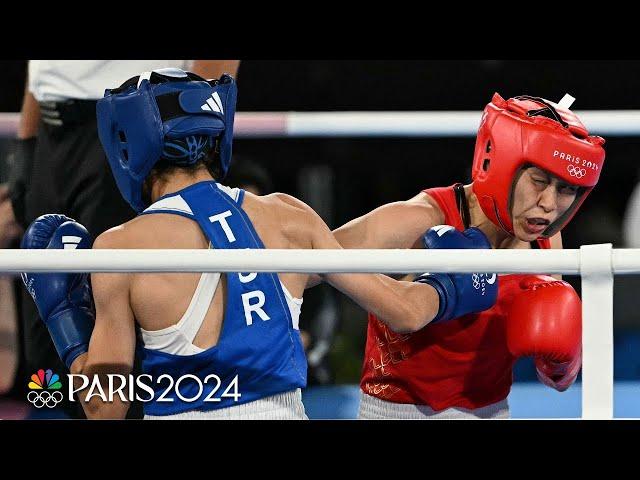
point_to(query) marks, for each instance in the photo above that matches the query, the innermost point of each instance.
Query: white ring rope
(623, 261)
(383, 124)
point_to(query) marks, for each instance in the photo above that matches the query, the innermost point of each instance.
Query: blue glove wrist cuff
(446, 293)
(70, 331)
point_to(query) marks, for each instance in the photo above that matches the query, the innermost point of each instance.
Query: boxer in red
(534, 164)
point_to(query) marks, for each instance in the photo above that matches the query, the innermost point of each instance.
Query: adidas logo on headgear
(213, 104)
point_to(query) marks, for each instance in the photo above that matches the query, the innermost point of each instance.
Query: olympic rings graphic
(40, 399)
(576, 171)
(475, 279)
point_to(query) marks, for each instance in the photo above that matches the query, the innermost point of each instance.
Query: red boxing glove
(558, 375)
(545, 321)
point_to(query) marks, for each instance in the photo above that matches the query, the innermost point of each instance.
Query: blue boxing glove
(64, 300)
(460, 293)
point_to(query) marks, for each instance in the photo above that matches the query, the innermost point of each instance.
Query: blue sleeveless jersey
(257, 343)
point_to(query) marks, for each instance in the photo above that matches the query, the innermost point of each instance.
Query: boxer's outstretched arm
(394, 225)
(112, 345)
(403, 306)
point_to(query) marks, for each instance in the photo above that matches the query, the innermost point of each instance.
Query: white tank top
(56, 80)
(178, 339)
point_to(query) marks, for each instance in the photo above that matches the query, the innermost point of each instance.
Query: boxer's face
(539, 198)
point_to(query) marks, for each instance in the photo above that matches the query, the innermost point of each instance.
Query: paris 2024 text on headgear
(524, 131)
(169, 115)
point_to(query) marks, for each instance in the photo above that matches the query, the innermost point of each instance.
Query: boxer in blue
(213, 345)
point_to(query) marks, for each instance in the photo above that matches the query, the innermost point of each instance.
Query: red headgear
(531, 131)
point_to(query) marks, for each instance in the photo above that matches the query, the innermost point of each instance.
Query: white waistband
(281, 406)
(372, 408)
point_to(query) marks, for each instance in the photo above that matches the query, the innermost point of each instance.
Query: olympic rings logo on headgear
(475, 280)
(576, 171)
(40, 399)
(528, 131)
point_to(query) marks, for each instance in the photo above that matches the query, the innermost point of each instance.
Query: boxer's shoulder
(425, 202)
(283, 201)
(162, 230)
(278, 206)
(405, 221)
(283, 216)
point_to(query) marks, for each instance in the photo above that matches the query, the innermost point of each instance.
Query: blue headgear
(169, 115)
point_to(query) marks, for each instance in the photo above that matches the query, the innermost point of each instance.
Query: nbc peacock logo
(45, 389)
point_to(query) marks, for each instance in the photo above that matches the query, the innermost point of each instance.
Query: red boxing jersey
(463, 362)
